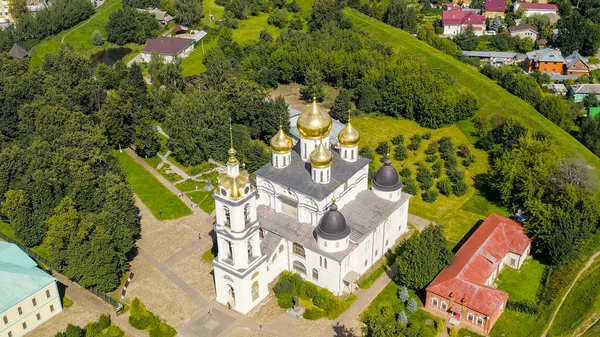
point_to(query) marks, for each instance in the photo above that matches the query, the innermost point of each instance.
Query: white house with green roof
(28, 296)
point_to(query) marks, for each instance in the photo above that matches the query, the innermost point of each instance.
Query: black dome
(333, 225)
(386, 178)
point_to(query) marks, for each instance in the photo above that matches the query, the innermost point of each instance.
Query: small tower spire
(232, 159)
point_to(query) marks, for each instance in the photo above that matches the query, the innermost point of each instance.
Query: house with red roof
(457, 21)
(536, 8)
(494, 8)
(463, 291)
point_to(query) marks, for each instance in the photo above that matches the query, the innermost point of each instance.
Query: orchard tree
(313, 85)
(341, 106)
(188, 12)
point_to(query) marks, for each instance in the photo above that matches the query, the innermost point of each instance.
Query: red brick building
(463, 291)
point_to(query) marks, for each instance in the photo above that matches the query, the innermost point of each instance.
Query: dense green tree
(557, 110)
(313, 85)
(401, 16)
(97, 38)
(188, 12)
(341, 106)
(589, 134)
(467, 40)
(422, 257)
(400, 152)
(130, 25)
(411, 305)
(17, 208)
(403, 294)
(402, 319)
(278, 18)
(325, 12)
(146, 138)
(117, 119)
(144, 4)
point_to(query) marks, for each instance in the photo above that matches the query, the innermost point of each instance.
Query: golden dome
(281, 143)
(233, 187)
(314, 124)
(321, 157)
(349, 136)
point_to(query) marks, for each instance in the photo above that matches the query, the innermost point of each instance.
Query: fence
(49, 264)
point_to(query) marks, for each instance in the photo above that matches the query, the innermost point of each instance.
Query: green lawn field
(522, 284)
(492, 98)
(161, 202)
(80, 36)
(456, 214)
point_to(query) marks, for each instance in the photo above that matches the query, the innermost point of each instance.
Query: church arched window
(298, 249)
(315, 274)
(247, 213)
(299, 268)
(255, 291)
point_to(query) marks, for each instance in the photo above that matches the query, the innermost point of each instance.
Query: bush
(429, 195)
(114, 331)
(67, 302)
(464, 151)
(285, 302)
(386, 311)
(313, 314)
(383, 148)
(525, 306)
(405, 172)
(455, 175)
(399, 139)
(425, 177)
(97, 38)
(163, 330)
(411, 306)
(400, 153)
(403, 294)
(430, 158)
(138, 323)
(415, 142)
(453, 332)
(402, 319)
(468, 161)
(439, 326)
(410, 187)
(437, 169)
(278, 18)
(426, 135)
(445, 187)
(459, 188)
(432, 148)
(103, 321)
(92, 329)
(366, 152)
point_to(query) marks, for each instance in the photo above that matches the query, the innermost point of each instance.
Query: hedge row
(142, 319)
(525, 306)
(291, 285)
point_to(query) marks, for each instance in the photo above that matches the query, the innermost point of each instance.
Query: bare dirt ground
(245, 332)
(78, 314)
(291, 94)
(197, 273)
(267, 312)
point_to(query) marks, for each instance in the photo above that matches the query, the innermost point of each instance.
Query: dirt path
(587, 324)
(587, 265)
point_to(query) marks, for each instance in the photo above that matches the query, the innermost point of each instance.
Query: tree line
(31, 28)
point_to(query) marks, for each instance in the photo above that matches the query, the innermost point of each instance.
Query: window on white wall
(315, 274)
(299, 268)
(325, 263)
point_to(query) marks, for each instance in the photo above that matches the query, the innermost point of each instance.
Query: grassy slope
(582, 301)
(161, 202)
(457, 214)
(492, 98)
(79, 36)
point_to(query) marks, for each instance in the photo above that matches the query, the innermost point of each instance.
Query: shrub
(163, 330)
(459, 188)
(114, 331)
(405, 172)
(464, 151)
(400, 153)
(366, 152)
(386, 311)
(399, 139)
(415, 142)
(410, 187)
(446, 145)
(453, 332)
(430, 158)
(403, 294)
(425, 177)
(426, 135)
(313, 314)
(307, 290)
(67, 302)
(278, 18)
(285, 302)
(97, 38)
(468, 161)
(383, 148)
(429, 195)
(439, 326)
(138, 323)
(432, 148)
(450, 162)
(104, 321)
(455, 175)
(445, 187)
(525, 306)
(92, 329)
(437, 169)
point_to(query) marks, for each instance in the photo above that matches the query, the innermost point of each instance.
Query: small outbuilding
(18, 52)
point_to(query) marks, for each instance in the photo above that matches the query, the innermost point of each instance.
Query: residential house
(580, 91)
(576, 65)
(463, 291)
(161, 16)
(547, 60)
(462, 3)
(171, 48)
(494, 8)
(455, 22)
(558, 89)
(524, 31)
(28, 296)
(536, 8)
(17, 52)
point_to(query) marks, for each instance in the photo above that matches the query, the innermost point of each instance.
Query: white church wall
(242, 293)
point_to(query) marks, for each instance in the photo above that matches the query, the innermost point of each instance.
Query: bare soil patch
(197, 273)
(78, 314)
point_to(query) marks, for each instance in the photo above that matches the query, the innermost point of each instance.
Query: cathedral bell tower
(239, 263)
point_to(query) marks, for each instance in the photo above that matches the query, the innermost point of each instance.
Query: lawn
(161, 202)
(594, 331)
(7, 230)
(80, 36)
(522, 284)
(456, 214)
(388, 298)
(582, 301)
(516, 324)
(153, 161)
(492, 98)
(204, 199)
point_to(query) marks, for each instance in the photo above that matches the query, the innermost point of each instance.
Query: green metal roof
(19, 276)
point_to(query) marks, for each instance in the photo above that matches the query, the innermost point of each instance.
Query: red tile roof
(495, 5)
(167, 45)
(539, 6)
(476, 261)
(462, 18)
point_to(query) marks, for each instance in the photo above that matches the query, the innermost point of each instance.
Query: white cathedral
(310, 212)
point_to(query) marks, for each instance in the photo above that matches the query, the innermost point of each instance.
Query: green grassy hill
(492, 98)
